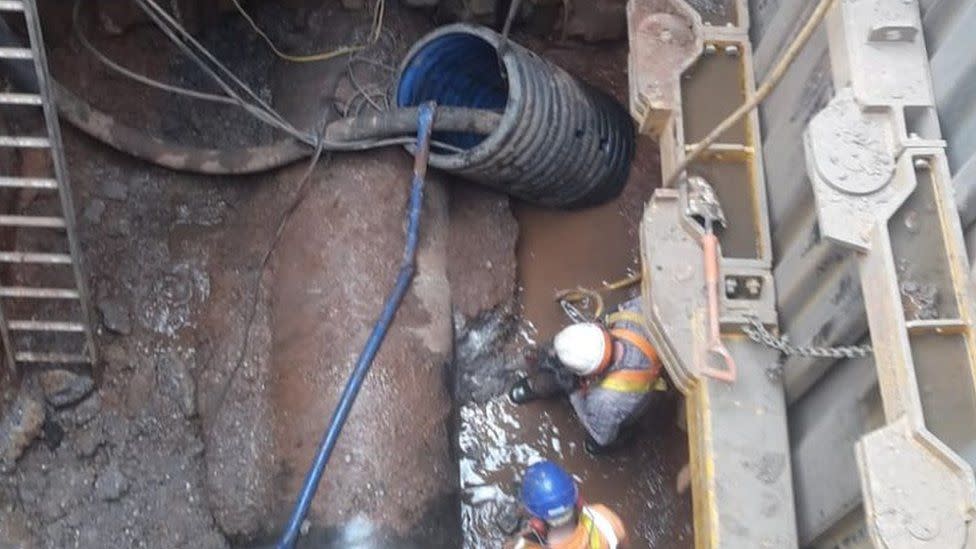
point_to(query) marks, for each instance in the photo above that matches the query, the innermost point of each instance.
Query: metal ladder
(41, 325)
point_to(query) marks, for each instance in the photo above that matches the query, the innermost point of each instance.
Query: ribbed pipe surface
(560, 143)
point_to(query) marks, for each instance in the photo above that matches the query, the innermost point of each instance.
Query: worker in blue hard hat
(560, 520)
(609, 372)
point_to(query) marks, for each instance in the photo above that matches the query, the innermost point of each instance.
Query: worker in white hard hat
(609, 374)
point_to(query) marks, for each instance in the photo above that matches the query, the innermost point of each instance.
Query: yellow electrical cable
(377, 27)
(623, 282)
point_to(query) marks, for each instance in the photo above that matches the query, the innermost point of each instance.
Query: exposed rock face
(115, 316)
(111, 484)
(481, 249)
(63, 388)
(336, 264)
(20, 425)
(116, 18)
(264, 412)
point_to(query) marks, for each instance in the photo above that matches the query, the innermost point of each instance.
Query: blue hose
(355, 382)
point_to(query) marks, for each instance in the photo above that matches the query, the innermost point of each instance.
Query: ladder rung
(24, 142)
(51, 358)
(32, 221)
(11, 5)
(16, 53)
(39, 293)
(28, 183)
(21, 99)
(45, 326)
(34, 257)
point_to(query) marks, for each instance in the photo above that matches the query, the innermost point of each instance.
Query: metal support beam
(687, 74)
(878, 169)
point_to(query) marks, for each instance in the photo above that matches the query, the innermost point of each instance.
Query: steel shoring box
(877, 165)
(863, 227)
(687, 74)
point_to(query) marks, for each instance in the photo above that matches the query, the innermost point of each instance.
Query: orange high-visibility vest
(598, 528)
(633, 381)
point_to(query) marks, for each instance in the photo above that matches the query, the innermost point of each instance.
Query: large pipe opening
(456, 70)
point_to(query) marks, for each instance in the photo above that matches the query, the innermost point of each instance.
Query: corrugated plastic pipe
(559, 143)
(355, 382)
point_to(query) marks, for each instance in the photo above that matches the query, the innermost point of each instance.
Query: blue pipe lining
(455, 70)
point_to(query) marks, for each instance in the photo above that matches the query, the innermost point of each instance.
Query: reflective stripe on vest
(594, 530)
(629, 381)
(633, 381)
(600, 530)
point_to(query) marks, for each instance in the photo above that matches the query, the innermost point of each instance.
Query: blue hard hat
(548, 492)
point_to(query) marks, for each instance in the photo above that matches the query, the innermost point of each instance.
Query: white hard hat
(582, 347)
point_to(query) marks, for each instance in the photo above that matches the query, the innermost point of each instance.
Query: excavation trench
(433, 448)
(562, 250)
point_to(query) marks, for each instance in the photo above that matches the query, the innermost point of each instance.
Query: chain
(759, 334)
(574, 314)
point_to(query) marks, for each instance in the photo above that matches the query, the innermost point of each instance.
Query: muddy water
(560, 249)
(564, 250)
(497, 440)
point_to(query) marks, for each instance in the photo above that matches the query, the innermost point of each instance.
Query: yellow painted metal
(737, 432)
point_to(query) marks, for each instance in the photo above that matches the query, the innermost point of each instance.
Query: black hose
(403, 121)
(354, 130)
(167, 154)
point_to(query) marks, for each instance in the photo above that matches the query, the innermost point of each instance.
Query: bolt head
(731, 286)
(754, 286)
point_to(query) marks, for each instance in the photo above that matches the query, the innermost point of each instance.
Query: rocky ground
(218, 371)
